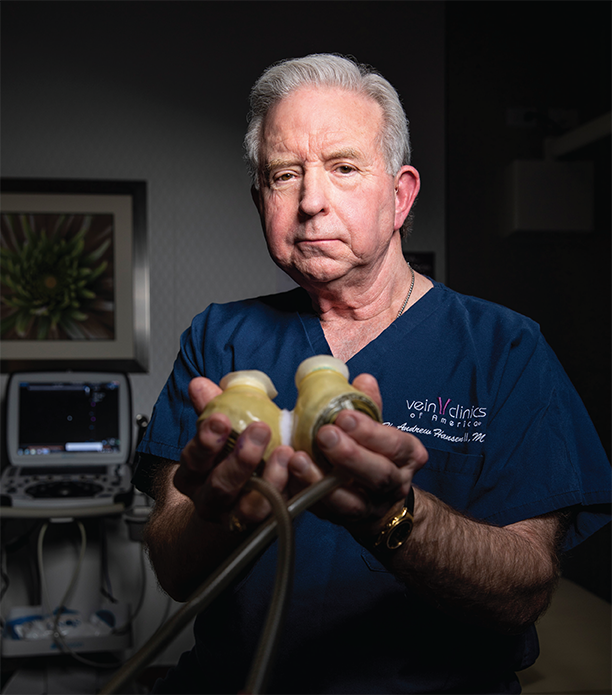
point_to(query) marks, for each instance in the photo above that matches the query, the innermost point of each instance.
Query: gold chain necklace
(401, 311)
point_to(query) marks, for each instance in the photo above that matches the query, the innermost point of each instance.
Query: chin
(314, 270)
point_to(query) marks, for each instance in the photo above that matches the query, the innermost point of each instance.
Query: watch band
(398, 529)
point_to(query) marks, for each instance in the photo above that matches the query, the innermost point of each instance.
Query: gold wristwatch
(398, 529)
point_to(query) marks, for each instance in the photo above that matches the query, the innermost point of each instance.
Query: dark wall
(158, 91)
(541, 55)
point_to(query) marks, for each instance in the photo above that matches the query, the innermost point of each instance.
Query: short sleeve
(173, 420)
(543, 453)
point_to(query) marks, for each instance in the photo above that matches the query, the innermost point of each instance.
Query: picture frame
(74, 275)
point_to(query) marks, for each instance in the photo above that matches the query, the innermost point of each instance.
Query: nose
(314, 193)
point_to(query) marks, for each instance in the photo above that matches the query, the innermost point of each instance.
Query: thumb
(368, 384)
(201, 392)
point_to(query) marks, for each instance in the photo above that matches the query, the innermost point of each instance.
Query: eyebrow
(346, 153)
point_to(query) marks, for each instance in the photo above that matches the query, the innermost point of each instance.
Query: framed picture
(74, 275)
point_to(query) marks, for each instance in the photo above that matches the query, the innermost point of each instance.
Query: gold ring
(235, 525)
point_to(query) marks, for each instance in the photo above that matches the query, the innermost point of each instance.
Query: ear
(407, 185)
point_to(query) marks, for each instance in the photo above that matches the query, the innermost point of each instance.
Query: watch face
(399, 534)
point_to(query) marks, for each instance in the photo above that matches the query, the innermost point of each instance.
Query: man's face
(327, 204)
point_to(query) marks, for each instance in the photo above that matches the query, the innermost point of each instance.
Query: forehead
(316, 118)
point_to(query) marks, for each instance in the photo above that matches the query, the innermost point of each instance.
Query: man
(478, 413)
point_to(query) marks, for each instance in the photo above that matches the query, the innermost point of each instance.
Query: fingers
(378, 463)
(253, 507)
(201, 392)
(343, 505)
(276, 470)
(400, 447)
(368, 384)
(304, 471)
(214, 485)
(213, 478)
(366, 466)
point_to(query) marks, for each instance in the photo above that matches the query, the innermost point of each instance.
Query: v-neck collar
(398, 330)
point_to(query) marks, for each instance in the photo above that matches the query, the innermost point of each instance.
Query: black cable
(106, 588)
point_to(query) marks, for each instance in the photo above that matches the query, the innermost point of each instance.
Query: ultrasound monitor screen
(68, 419)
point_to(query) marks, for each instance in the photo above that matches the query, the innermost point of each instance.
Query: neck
(351, 319)
(361, 297)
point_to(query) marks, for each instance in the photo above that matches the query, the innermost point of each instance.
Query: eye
(282, 178)
(345, 169)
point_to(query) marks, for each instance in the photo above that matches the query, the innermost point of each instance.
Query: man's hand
(188, 534)
(501, 578)
(379, 462)
(498, 577)
(215, 484)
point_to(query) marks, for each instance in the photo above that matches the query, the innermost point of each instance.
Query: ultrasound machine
(68, 440)
(68, 446)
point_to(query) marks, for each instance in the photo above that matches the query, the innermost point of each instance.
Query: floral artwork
(57, 277)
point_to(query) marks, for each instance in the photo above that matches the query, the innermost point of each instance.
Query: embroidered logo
(442, 418)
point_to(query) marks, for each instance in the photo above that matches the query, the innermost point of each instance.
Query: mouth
(317, 242)
(318, 247)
